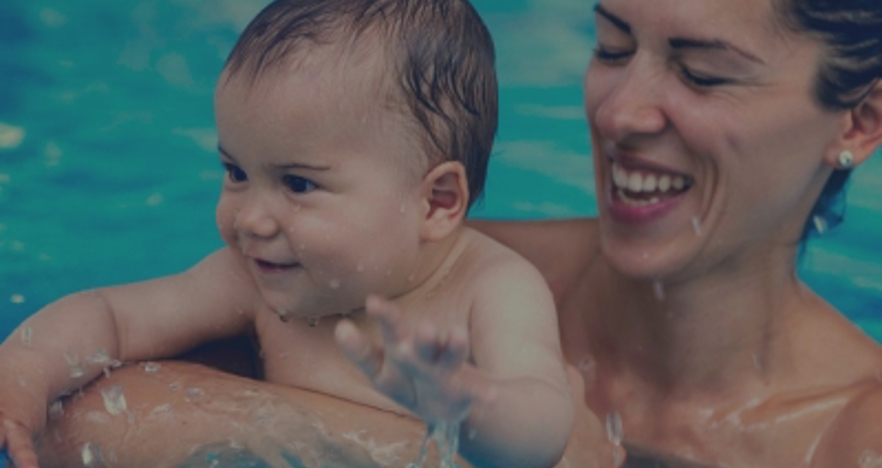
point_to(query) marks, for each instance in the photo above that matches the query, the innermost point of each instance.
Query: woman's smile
(641, 193)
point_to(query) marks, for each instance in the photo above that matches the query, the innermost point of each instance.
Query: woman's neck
(720, 332)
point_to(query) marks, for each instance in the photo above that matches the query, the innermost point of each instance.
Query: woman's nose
(255, 218)
(631, 106)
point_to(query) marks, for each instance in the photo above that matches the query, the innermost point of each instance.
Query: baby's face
(318, 200)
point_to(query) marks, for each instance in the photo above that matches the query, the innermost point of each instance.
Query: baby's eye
(298, 184)
(235, 173)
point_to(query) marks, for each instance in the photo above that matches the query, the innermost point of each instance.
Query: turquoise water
(108, 171)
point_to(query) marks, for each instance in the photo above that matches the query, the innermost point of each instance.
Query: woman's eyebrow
(615, 20)
(679, 43)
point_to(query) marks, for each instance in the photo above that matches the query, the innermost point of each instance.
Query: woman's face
(708, 144)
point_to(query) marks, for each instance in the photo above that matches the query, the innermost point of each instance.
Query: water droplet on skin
(56, 410)
(114, 399)
(174, 386)
(194, 393)
(76, 372)
(334, 284)
(298, 207)
(100, 357)
(26, 333)
(152, 367)
(696, 225)
(756, 361)
(313, 321)
(659, 290)
(411, 277)
(820, 224)
(614, 428)
(588, 368)
(91, 454)
(360, 268)
(403, 209)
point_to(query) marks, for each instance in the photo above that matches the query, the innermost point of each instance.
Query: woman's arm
(185, 414)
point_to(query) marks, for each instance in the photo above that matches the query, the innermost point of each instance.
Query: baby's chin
(290, 312)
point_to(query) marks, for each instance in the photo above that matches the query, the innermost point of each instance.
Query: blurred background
(109, 172)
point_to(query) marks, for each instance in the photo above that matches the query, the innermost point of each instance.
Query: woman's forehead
(724, 16)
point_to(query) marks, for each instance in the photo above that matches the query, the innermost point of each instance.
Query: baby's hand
(16, 437)
(419, 367)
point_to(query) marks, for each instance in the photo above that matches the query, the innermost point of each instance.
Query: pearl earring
(845, 159)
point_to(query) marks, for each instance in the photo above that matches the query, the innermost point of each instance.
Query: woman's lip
(623, 212)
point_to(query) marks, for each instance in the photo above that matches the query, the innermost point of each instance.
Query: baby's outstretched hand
(419, 367)
(16, 438)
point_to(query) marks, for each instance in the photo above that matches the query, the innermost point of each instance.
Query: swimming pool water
(108, 169)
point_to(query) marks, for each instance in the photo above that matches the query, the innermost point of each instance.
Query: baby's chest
(305, 357)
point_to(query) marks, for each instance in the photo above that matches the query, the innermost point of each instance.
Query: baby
(355, 135)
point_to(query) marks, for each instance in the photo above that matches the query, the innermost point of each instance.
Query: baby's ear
(446, 198)
(863, 134)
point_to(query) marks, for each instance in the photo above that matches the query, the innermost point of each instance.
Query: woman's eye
(605, 55)
(701, 81)
(298, 184)
(235, 173)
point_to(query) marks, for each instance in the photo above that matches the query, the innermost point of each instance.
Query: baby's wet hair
(441, 58)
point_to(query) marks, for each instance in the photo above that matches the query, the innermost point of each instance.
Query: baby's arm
(70, 342)
(515, 398)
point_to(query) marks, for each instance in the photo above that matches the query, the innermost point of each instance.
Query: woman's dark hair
(851, 31)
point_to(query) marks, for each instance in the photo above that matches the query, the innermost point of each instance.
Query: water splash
(56, 410)
(74, 362)
(870, 459)
(91, 454)
(446, 437)
(114, 399)
(26, 334)
(820, 224)
(696, 225)
(614, 431)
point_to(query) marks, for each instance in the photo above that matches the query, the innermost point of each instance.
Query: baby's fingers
(19, 445)
(358, 348)
(446, 350)
(387, 316)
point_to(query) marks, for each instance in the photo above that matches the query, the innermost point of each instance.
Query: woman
(720, 131)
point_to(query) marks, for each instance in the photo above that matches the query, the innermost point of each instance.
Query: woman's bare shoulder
(854, 438)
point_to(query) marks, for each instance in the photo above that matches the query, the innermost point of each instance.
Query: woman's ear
(445, 194)
(863, 132)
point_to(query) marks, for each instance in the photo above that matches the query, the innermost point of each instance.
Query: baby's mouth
(645, 186)
(271, 267)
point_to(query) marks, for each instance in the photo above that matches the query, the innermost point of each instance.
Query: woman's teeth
(641, 187)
